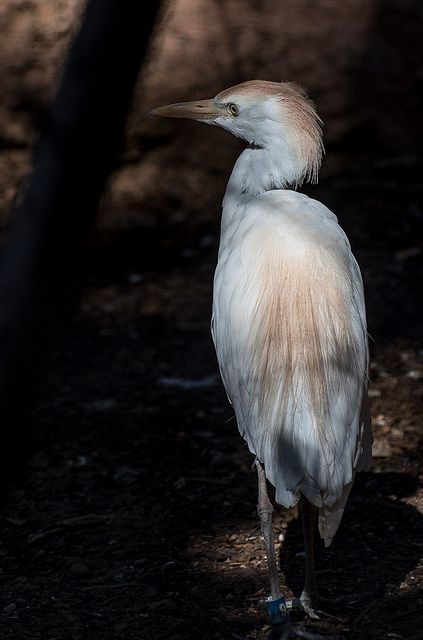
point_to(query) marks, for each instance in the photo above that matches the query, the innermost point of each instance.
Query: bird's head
(278, 117)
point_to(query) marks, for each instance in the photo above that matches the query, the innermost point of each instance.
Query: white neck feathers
(287, 151)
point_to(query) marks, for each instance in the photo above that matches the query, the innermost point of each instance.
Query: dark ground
(135, 517)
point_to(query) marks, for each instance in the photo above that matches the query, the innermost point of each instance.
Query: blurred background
(361, 62)
(135, 516)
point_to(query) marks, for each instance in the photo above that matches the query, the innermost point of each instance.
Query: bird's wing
(290, 334)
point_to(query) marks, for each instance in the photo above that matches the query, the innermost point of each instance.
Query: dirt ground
(135, 517)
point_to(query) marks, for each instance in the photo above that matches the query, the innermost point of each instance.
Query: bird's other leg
(309, 598)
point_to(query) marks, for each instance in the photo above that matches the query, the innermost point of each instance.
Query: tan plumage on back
(300, 324)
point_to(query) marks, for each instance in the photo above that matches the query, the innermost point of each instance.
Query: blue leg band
(277, 610)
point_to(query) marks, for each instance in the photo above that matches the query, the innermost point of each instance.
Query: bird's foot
(311, 604)
(316, 606)
(282, 629)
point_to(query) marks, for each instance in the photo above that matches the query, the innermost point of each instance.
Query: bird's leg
(310, 597)
(265, 511)
(310, 600)
(276, 605)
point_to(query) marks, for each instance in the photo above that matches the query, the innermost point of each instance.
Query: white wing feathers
(290, 334)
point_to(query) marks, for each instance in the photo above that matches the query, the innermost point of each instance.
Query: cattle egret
(289, 321)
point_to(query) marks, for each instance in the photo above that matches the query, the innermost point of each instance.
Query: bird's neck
(257, 170)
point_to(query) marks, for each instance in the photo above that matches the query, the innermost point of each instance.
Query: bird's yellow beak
(199, 110)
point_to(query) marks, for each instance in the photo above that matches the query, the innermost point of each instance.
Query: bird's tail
(330, 517)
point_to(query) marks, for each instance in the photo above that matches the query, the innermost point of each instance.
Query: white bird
(289, 320)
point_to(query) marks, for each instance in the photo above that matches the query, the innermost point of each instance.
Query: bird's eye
(233, 109)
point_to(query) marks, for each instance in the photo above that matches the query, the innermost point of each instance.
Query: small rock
(165, 605)
(415, 374)
(381, 449)
(78, 569)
